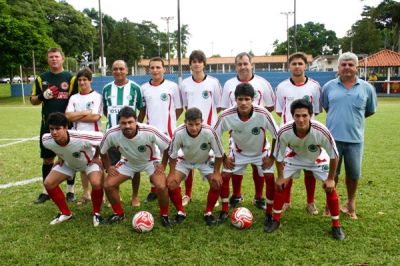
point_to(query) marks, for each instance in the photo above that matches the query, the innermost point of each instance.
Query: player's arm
(90, 118)
(216, 178)
(142, 113)
(178, 112)
(77, 116)
(280, 181)
(269, 108)
(329, 183)
(268, 160)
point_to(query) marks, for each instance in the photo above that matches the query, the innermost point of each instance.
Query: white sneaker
(97, 220)
(60, 218)
(311, 209)
(185, 200)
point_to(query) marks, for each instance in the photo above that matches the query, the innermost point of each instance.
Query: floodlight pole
(287, 14)
(103, 67)
(167, 19)
(179, 48)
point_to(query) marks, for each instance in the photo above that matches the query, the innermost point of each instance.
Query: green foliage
(185, 36)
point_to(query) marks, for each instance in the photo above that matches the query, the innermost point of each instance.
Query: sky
(228, 27)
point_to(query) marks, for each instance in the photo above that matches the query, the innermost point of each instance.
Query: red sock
(309, 182)
(237, 185)
(269, 191)
(176, 198)
(97, 199)
(153, 189)
(189, 184)
(279, 199)
(117, 208)
(225, 192)
(213, 195)
(58, 197)
(332, 201)
(258, 183)
(164, 210)
(288, 191)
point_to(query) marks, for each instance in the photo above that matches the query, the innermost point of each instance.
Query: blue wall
(273, 77)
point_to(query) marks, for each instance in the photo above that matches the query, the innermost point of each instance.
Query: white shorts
(66, 170)
(294, 165)
(241, 161)
(205, 169)
(124, 167)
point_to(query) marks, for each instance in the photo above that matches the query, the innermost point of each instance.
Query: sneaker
(216, 204)
(152, 196)
(338, 233)
(222, 217)
(70, 197)
(180, 217)
(165, 221)
(260, 203)
(268, 219)
(286, 206)
(60, 218)
(97, 220)
(272, 226)
(185, 200)
(311, 209)
(234, 201)
(42, 198)
(135, 202)
(209, 219)
(115, 218)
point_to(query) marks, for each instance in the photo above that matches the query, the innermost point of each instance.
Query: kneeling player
(311, 148)
(76, 152)
(137, 143)
(195, 140)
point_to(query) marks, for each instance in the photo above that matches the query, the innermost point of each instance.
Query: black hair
(199, 56)
(85, 73)
(244, 89)
(126, 112)
(192, 114)
(301, 103)
(57, 119)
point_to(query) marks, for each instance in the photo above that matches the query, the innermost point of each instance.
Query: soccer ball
(142, 222)
(242, 218)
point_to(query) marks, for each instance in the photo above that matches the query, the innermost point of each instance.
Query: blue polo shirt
(347, 108)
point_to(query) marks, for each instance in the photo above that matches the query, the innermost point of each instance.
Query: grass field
(27, 239)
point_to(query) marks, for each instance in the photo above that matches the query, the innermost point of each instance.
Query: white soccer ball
(242, 218)
(142, 222)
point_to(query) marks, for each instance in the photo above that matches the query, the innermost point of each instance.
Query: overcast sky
(227, 27)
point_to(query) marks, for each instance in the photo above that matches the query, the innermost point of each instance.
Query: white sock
(70, 188)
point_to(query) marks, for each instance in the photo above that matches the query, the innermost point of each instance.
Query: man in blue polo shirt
(348, 100)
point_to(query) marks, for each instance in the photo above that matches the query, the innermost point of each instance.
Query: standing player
(84, 110)
(52, 89)
(195, 139)
(138, 144)
(76, 152)
(263, 96)
(162, 103)
(311, 147)
(246, 123)
(299, 86)
(204, 92)
(348, 100)
(116, 94)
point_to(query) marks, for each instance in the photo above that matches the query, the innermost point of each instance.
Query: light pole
(103, 67)
(295, 26)
(287, 14)
(169, 45)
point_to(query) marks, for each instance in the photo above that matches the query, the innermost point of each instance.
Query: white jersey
(263, 93)
(79, 151)
(161, 102)
(287, 92)
(204, 95)
(141, 148)
(307, 148)
(247, 137)
(196, 150)
(81, 102)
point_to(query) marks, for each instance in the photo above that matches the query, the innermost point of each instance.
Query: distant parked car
(4, 80)
(16, 79)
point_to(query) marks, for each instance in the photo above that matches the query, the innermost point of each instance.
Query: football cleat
(234, 201)
(97, 220)
(60, 218)
(42, 198)
(152, 196)
(115, 218)
(165, 221)
(311, 209)
(70, 197)
(272, 226)
(222, 217)
(180, 217)
(338, 233)
(268, 219)
(209, 219)
(260, 203)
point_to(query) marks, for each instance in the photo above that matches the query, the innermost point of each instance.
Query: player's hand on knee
(216, 180)
(59, 162)
(112, 171)
(159, 169)
(229, 163)
(329, 185)
(267, 162)
(172, 182)
(281, 183)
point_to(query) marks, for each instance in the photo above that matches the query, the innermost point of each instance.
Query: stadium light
(287, 14)
(167, 19)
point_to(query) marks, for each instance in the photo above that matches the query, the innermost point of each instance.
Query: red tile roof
(384, 58)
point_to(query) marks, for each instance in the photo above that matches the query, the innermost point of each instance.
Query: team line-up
(241, 108)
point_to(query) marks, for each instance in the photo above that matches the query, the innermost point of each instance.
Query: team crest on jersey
(255, 131)
(64, 85)
(307, 98)
(205, 94)
(164, 97)
(89, 105)
(325, 167)
(141, 148)
(204, 146)
(76, 154)
(312, 148)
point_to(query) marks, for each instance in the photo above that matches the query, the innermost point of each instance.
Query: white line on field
(19, 141)
(21, 183)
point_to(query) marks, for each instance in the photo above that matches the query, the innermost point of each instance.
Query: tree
(185, 36)
(312, 38)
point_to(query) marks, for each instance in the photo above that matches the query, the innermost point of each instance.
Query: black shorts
(45, 153)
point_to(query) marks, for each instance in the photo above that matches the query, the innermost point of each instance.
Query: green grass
(26, 237)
